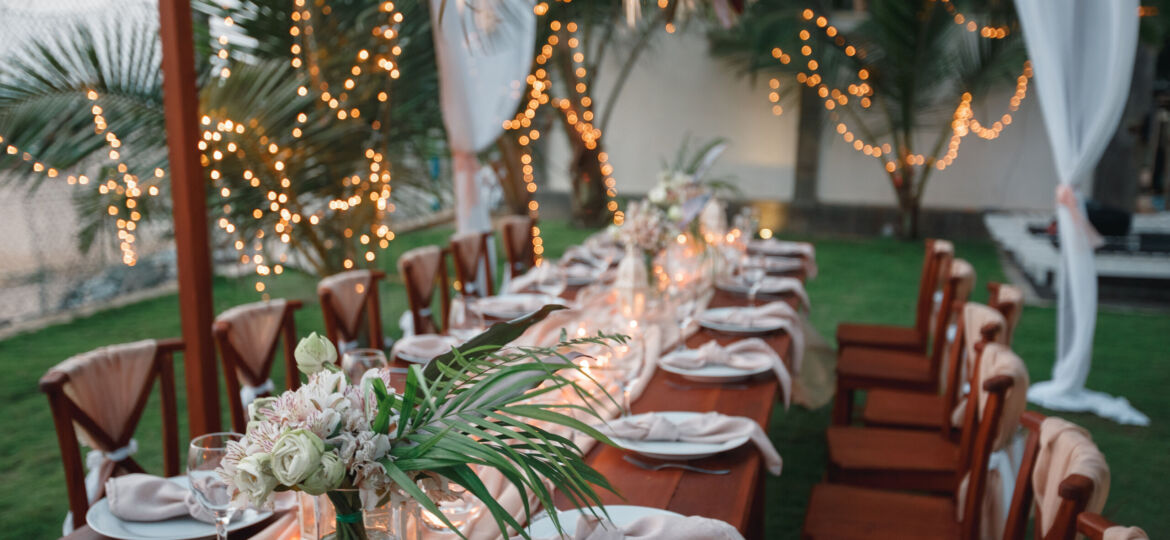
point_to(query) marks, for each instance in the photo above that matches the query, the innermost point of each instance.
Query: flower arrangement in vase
(365, 446)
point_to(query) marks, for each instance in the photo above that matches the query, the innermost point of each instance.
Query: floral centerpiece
(364, 445)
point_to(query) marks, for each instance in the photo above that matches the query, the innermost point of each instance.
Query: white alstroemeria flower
(313, 353)
(657, 194)
(675, 213)
(295, 456)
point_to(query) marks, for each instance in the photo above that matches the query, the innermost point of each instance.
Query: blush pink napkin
(772, 313)
(662, 527)
(745, 354)
(774, 285)
(511, 305)
(711, 428)
(145, 497)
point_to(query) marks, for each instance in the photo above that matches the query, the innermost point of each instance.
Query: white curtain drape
(1082, 54)
(484, 51)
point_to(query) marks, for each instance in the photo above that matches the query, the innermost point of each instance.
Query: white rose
(253, 479)
(313, 353)
(327, 477)
(295, 456)
(657, 194)
(675, 213)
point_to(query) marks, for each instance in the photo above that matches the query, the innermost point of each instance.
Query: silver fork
(657, 467)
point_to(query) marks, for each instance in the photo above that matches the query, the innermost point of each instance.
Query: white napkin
(774, 285)
(773, 313)
(747, 354)
(804, 250)
(710, 428)
(661, 526)
(423, 346)
(144, 497)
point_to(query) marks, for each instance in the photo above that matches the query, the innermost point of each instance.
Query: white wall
(677, 87)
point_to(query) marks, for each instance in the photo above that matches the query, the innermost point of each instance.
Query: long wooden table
(736, 497)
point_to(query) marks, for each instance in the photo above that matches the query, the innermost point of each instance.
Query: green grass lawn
(860, 280)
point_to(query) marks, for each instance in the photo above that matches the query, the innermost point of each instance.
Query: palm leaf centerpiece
(365, 445)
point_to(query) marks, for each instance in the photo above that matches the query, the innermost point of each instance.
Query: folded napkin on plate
(145, 497)
(423, 346)
(747, 354)
(781, 248)
(771, 314)
(774, 285)
(525, 282)
(661, 526)
(710, 428)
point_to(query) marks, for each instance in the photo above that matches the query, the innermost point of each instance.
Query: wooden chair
(469, 253)
(914, 338)
(347, 299)
(1009, 300)
(906, 409)
(424, 269)
(98, 398)
(516, 233)
(247, 337)
(906, 459)
(1093, 526)
(848, 512)
(861, 368)
(1075, 492)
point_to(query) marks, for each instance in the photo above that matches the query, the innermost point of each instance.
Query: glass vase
(338, 515)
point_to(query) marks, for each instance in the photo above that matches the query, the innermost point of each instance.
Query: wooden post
(189, 198)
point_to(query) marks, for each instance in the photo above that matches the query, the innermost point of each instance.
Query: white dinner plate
(677, 450)
(512, 306)
(712, 319)
(620, 515)
(782, 265)
(769, 286)
(775, 247)
(709, 373)
(406, 354)
(103, 522)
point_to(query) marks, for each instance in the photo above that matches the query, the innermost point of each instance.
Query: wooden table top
(736, 497)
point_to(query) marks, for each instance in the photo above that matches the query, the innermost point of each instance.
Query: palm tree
(292, 169)
(901, 80)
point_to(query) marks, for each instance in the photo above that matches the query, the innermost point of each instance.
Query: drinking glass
(465, 321)
(753, 277)
(550, 279)
(203, 458)
(356, 362)
(623, 366)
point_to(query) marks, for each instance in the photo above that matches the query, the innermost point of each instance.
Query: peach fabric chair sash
(470, 257)
(1121, 532)
(1010, 300)
(349, 292)
(517, 239)
(978, 321)
(1066, 449)
(108, 387)
(253, 331)
(419, 268)
(998, 360)
(960, 275)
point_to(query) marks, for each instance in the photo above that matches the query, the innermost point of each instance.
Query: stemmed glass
(356, 362)
(464, 321)
(203, 459)
(753, 276)
(624, 366)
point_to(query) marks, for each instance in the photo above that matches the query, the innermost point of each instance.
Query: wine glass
(465, 321)
(356, 362)
(550, 279)
(203, 459)
(623, 366)
(753, 277)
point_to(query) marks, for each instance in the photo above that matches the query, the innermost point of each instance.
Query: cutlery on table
(659, 466)
(680, 386)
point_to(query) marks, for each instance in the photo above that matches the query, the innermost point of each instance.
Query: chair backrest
(98, 398)
(1096, 527)
(469, 253)
(1009, 300)
(1056, 450)
(977, 326)
(981, 429)
(247, 336)
(938, 252)
(517, 234)
(955, 292)
(423, 269)
(347, 299)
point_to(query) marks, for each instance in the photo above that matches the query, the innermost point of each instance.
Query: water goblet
(753, 277)
(204, 456)
(550, 279)
(356, 362)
